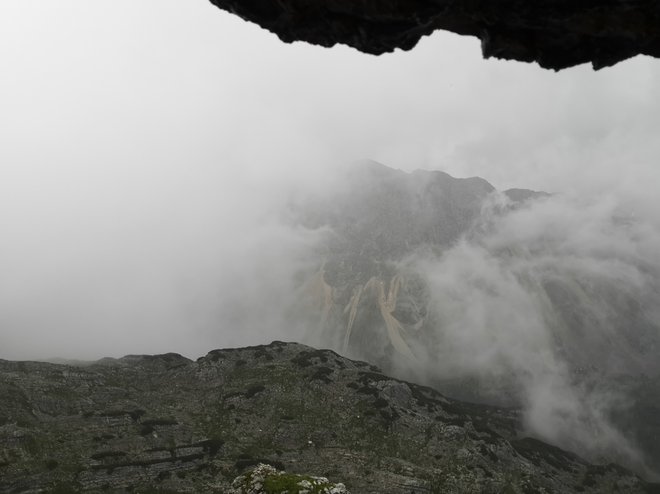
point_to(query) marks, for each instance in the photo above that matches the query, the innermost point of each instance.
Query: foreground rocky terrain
(164, 423)
(555, 34)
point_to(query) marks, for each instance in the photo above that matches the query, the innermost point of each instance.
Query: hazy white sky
(138, 139)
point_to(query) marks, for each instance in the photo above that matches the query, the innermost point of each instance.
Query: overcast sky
(138, 139)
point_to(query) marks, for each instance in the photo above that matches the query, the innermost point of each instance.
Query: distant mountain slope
(383, 213)
(514, 298)
(382, 219)
(377, 219)
(368, 303)
(164, 423)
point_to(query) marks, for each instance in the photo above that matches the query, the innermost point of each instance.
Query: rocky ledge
(554, 33)
(167, 424)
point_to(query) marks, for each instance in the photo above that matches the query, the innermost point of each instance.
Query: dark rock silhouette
(554, 33)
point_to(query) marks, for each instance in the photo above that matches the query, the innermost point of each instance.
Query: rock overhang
(556, 34)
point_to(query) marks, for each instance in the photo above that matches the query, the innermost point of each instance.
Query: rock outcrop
(554, 33)
(167, 424)
(265, 479)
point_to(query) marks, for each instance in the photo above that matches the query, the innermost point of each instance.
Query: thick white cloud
(556, 300)
(146, 146)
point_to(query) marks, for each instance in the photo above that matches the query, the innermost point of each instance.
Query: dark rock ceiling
(554, 33)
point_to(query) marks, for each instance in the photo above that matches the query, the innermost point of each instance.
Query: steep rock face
(554, 33)
(377, 218)
(364, 300)
(167, 424)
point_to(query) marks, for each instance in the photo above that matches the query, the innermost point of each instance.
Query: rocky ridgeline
(164, 423)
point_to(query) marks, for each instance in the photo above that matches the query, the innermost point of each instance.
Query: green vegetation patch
(265, 479)
(294, 484)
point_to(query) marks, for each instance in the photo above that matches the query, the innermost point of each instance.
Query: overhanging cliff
(554, 33)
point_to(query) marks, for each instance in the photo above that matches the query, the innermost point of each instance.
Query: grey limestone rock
(142, 424)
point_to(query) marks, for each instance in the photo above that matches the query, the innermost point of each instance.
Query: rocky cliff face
(365, 301)
(555, 34)
(167, 424)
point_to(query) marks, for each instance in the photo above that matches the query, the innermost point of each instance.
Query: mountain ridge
(166, 422)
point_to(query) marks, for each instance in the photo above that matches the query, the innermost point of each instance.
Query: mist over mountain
(543, 302)
(516, 298)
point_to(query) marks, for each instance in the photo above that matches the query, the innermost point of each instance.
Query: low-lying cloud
(543, 304)
(548, 304)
